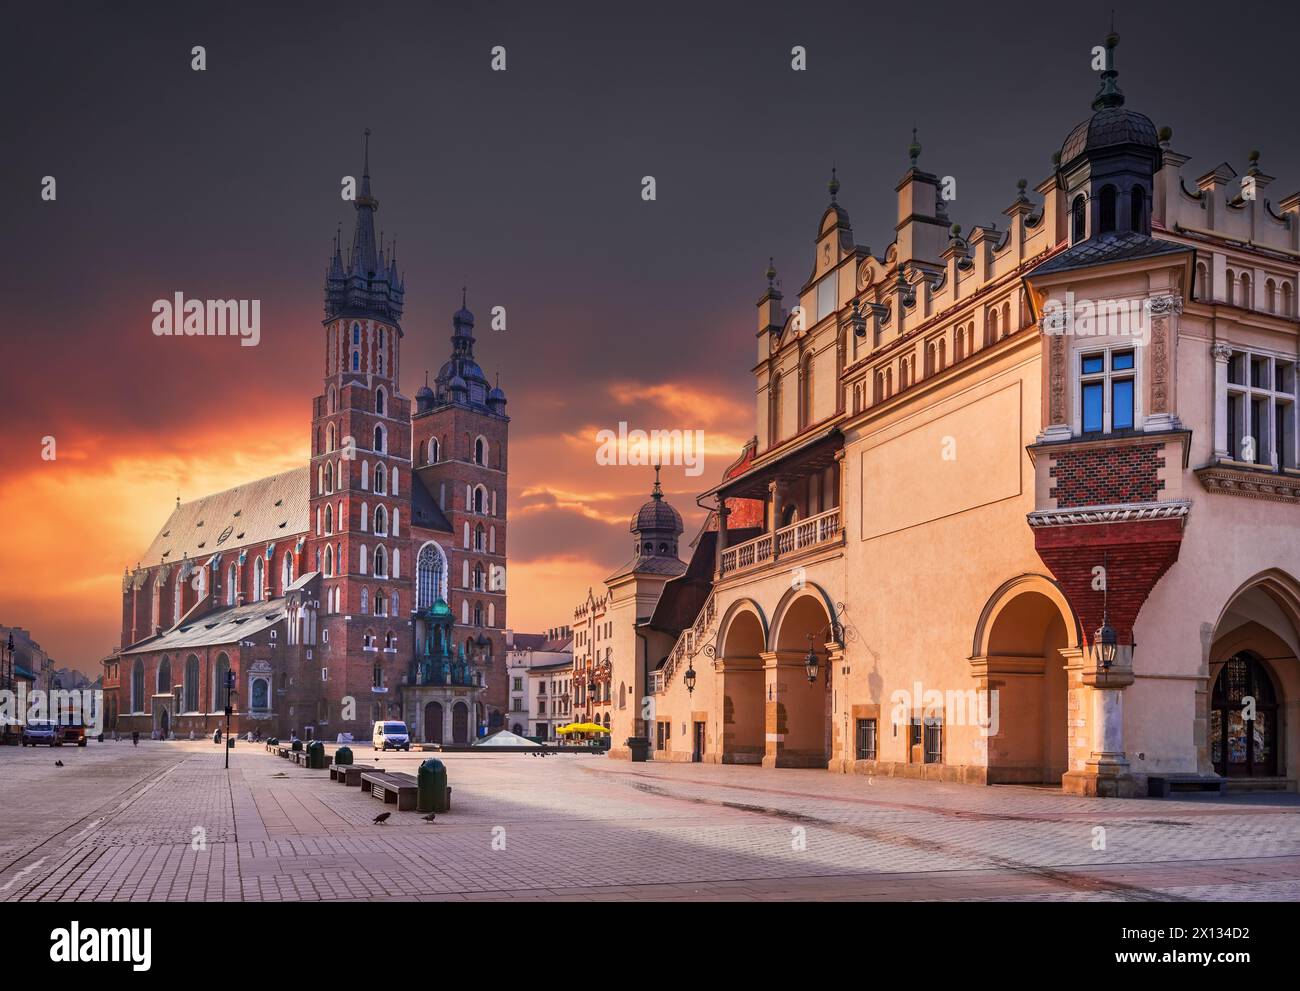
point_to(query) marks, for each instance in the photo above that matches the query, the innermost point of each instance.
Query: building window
(1106, 391)
(480, 451)
(933, 740)
(1078, 220)
(1261, 407)
(1137, 204)
(1107, 217)
(866, 739)
(826, 297)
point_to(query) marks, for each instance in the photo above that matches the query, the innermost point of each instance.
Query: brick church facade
(368, 584)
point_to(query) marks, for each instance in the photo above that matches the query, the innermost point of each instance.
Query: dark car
(73, 733)
(39, 731)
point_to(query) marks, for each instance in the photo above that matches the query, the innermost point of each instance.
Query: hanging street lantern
(1107, 641)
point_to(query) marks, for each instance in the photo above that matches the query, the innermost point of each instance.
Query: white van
(391, 734)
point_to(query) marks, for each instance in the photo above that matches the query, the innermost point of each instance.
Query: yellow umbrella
(582, 728)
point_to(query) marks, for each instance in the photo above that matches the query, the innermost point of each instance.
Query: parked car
(73, 733)
(40, 731)
(391, 734)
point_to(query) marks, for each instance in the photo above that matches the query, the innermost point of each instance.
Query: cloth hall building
(367, 584)
(1023, 504)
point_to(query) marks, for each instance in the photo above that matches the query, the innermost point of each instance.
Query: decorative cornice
(1114, 513)
(1251, 484)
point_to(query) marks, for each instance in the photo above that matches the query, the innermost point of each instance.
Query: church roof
(221, 627)
(425, 511)
(268, 509)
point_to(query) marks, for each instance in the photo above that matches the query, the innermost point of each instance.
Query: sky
(524, 185)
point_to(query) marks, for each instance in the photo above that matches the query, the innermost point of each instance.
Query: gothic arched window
(429, 574)
(259, 576)
(191, 703)
(379, 401)
(137, 687)
(164, 676)
(379, 438)
(480, 451)
(219, 700)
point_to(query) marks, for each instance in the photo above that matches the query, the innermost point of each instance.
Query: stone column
(723, 513)
(1221, 353)
(1106, 772)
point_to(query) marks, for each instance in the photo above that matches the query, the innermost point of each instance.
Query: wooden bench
(348, 774)
(390, 788)
(299, 757)
(283, 751)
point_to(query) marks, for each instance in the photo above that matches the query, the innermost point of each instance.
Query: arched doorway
(433, 722)
(1243, 736)
(1018, 660)
(1254, 673)
(743, 640)
(165, 724)
(797, 719)
(460, 724)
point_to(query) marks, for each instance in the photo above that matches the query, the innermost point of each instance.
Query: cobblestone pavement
(165, 821)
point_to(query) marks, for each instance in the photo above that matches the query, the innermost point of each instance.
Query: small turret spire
(658, 491)
(914, 149)
(833, 185)
(1109, 95)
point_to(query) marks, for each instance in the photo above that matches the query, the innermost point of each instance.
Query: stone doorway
(433, 723)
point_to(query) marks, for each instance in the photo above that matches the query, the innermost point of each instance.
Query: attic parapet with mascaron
(878, 323)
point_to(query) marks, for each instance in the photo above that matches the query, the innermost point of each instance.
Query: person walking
(135, 738)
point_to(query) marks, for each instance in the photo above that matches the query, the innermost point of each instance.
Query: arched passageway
(740, 663)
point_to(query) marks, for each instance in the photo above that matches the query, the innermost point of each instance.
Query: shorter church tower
(460, 438)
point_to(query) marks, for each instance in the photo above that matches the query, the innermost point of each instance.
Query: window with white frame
(1108, 390)
(1262, 409)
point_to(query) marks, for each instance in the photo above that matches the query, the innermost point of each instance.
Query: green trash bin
(230, 743)
(316, 756)
(343, 755)
(639, 747)
(432, 793)
(296, 745)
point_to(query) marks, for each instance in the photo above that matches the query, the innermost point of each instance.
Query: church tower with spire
(460, 456)
(360, 481)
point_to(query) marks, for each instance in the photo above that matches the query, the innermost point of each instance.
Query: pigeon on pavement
(382, 818)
